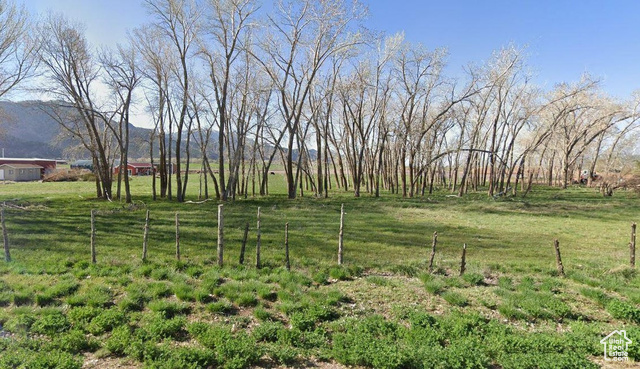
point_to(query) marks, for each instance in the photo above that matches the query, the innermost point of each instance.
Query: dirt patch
(371, 298)
(92, 362)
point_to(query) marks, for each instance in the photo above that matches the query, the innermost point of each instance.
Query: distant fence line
(340, 256)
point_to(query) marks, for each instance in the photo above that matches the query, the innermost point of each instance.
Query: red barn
(137, 169)
(47, 165)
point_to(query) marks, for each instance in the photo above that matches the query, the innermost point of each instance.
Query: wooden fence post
(340, 236)
(286, 246)
(632, 246)
(145, 237)
(177, 237)
(93, 236)
(5, 237)
(220, 236)
(258, 242)
(433, 251)
(556, 245)
(463, 261)
(244, 243)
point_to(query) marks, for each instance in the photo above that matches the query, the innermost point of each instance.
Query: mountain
(27, 130)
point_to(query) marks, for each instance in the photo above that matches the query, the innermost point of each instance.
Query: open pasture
(381, 309)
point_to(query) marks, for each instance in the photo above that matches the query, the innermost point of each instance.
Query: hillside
(27, 130)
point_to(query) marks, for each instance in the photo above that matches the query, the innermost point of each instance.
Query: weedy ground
(381, 309)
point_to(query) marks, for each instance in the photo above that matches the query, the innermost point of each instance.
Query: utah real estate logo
(616, 346)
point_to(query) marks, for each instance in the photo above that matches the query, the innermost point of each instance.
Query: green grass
(381, 309)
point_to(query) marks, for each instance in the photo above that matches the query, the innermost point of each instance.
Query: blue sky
(564, 38)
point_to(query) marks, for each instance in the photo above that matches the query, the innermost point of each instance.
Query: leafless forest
(303, 85)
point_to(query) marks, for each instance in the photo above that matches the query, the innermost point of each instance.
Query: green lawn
(382, 309)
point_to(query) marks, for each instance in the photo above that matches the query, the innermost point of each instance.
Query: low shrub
(433, 285)
(51, 324)
(371, 342)
(106, 321)
(321, 277)
(119, 340)
(193, 271)
(81, 316)
(267, 331)
(135, 299)
(624, 311)
(526, 284)
(596, 295)
(266, 293)
(169, 309)
(44, 299)
(19, 323)
(306, 319)
(222, 306)
(97, 296)
(170, 357)
(64, 288)
(202, 296)
(160, 274)
(232, 351)
(74, 342)
(159, 328)
(378, 280)
(455, 299)
(262, 314)
(184, 292)
(158, 290)
(474, 279)
(282, 354)
(5, 298)
(339, 273)
(505, 283)
(21, 298)
(246, 299)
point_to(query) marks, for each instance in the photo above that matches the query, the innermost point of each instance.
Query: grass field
(382, 309)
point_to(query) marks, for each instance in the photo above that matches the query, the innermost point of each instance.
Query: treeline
(304, 83)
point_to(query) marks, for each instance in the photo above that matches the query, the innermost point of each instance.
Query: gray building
(20, 172)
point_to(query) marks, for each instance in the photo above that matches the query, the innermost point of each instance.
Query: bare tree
(122, 78)
(177, 21)
(155, 67)
(226, 27)
(18, 47)
(73, 74)
(364, 96)
(305, 34)
(580, 119)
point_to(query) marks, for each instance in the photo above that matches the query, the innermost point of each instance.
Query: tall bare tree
(18, 46)
(73, 74)
(121, 75)
(303, 35)
(177, 21)
(155, 68)
(225, 28)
